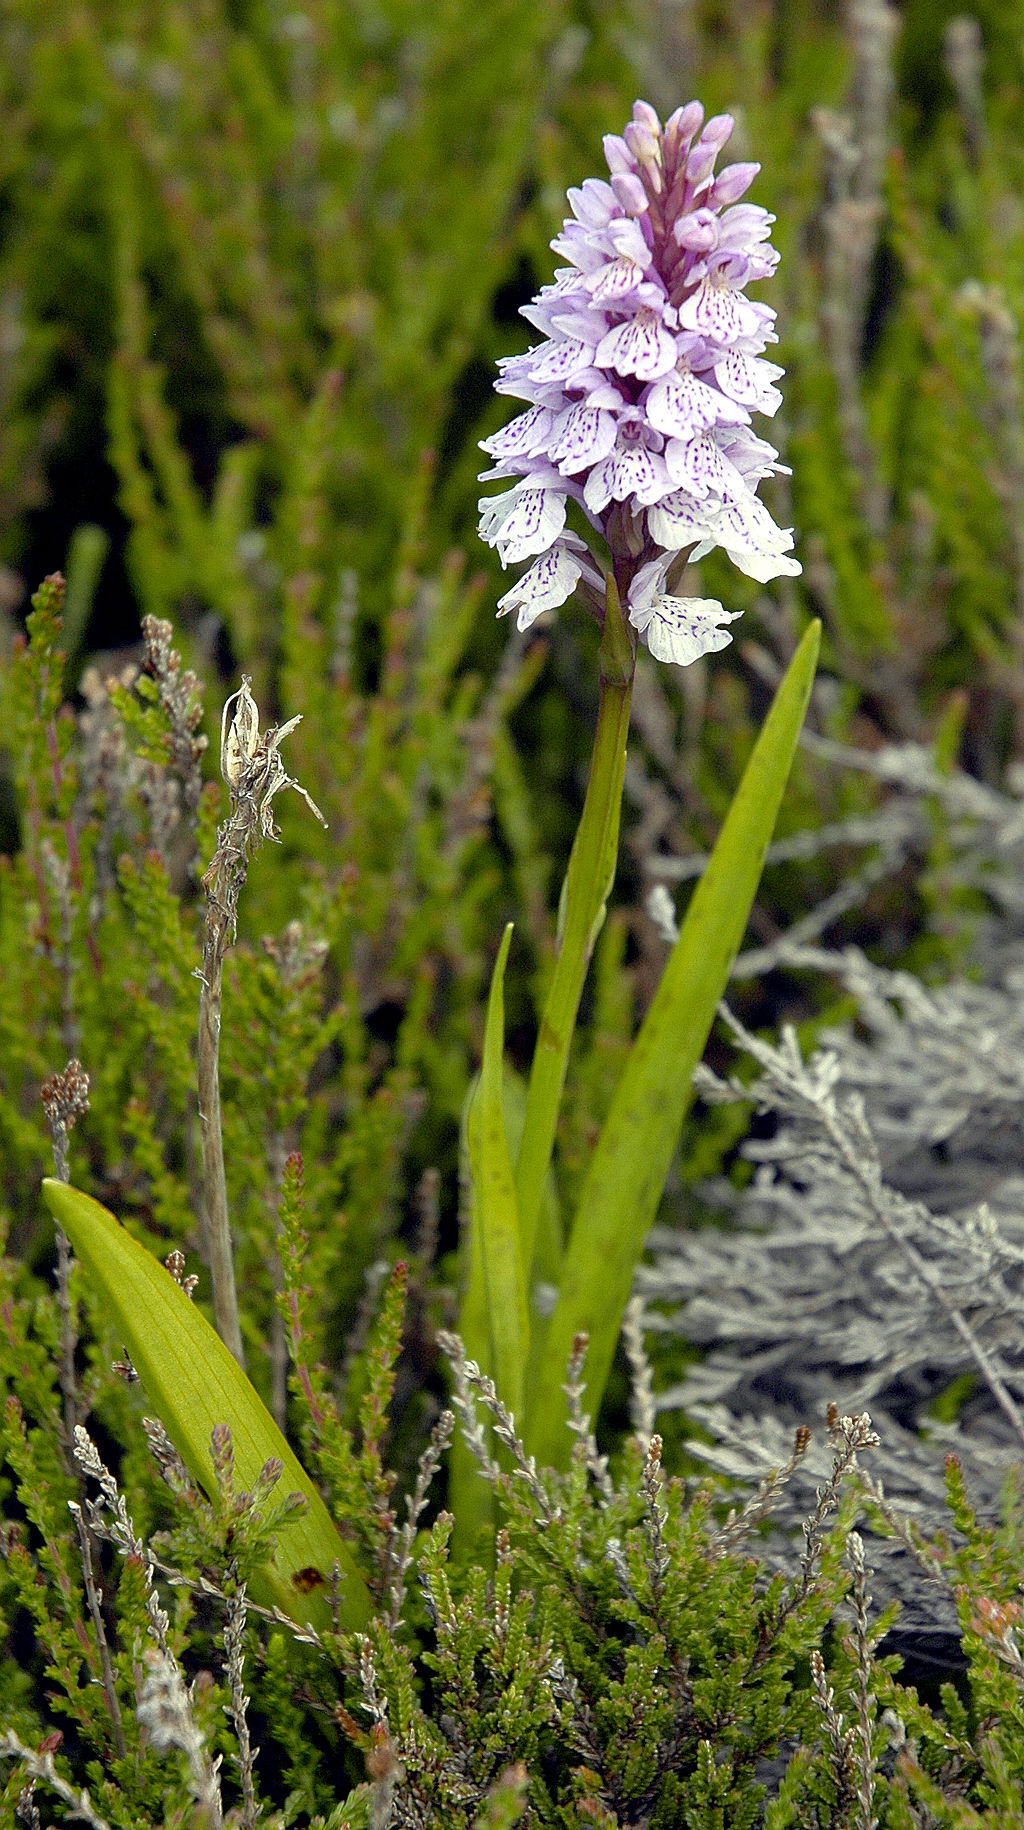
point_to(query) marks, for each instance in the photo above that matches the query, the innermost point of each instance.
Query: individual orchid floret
(641, 392)
(679, 629)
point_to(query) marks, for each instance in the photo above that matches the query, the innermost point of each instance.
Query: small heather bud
(642, 390)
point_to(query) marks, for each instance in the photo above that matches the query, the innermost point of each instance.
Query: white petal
(550, 580)
(702, 468)
(763, 566)
(748, 379)
(615, 281)
(746, 532)
(681, 629)
(720, 312)
(560, 361)
(628, 471)
(522, 522)
(524, 436)
(681, 405)
(641, 346)
(679, 519)
(583, 436)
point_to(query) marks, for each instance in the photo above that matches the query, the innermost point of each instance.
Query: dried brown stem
(252, 767)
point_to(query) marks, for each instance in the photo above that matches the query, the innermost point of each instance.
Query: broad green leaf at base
(193, 1382)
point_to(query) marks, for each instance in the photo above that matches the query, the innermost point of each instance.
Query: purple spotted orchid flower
(642, 391)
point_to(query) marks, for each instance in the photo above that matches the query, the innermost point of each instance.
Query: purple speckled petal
(753, 542)
(550, 580)
(630, 472)
(679, 629)
(720, 312)
(753, 457)
(748, 379)
(584, 436)
(524, 436)
(679, 520)
(641, 346)
(700, 466)
(523, 522)
(625, 235)
(681, 405)
(560, 361)
(615, 282)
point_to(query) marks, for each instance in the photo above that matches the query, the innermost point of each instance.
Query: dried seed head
(239, 740)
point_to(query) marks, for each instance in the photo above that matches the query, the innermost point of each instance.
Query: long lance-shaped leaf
(627, 1171)
(495, 1211)
(493, 1317)
(193, 1382)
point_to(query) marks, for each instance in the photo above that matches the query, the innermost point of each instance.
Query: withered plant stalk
(252, 767)
(218, 929)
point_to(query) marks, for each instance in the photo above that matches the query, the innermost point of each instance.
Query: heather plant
(254, 268)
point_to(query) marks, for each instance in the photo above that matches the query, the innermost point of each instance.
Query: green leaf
(193, 1382)
(495, 1210)
(627, 1172)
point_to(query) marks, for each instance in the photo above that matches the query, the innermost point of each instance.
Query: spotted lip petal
(550, 581)
(679, 629)
(642, 389)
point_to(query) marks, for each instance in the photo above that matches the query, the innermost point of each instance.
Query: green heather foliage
(256, 264)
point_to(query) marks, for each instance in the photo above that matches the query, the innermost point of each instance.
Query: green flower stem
(588, 881)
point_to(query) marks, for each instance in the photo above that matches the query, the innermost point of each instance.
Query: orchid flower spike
(642, 390)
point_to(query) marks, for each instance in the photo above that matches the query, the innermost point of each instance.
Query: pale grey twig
(41, 1767)
(180, 696)
(738, 1526)
(903, 1529)
(238, 1708)
(912, 767)
(840, 1740)
(574, 1389)
(164, 1710)
(861, 1601)
(850, 894)
(96, 1612)
(854, 1148)
(464, 1404)
(848, 1435)
(121, 1530)
(469, 1380)
(400, 1543)
(856, 147)
(871, 829)
(964, 58)
(642, 1406)
(163, 1705)
(656, 1517)
(1001, 357)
